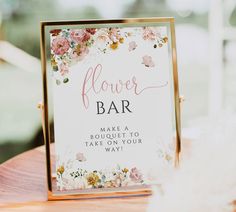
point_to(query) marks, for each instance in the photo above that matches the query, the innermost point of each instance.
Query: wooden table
(23, 188)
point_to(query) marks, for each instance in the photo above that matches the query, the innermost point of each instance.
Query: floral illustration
(80, 157)
(64, 69)
(93, 179)
(70, 46)
(60, 46)
(71, 175)
(132, 46)
(147, 61)
(149, 33)
(135, 175)
(80, 36)
(165, 151)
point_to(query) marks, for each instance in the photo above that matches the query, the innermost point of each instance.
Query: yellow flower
(78, 49)
(165, 39)
(53, 61)
(92, 179)
(114, 45)
(125, 170)
(121, 40)
(168, 157)
(60, 169)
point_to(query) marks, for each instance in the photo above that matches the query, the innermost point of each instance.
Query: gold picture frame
(46, 25)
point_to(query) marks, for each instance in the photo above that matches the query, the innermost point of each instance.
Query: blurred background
(206, 50)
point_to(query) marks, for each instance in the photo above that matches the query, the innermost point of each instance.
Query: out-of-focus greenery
(21, 25)
(20, 91)
(21, 18)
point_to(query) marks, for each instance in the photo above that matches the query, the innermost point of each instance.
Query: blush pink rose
(132, 45)
(60, 45)
(147, 61)
(80, 53)
(149, 33)
(79, 35)
(135, 175)
(83, 51)
(114, 34)
(80, 157)
(64, 69)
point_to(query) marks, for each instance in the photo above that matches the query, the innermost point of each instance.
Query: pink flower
(79, 35)
(114, 34)
(132, 46)
(149, 33)
(147, 61)
(80, 157)
(102, 36)
(64, 69)
(83, 51)
(92, 31)
(79, 52)
(60, 46)
(74, 55)
(135, 175)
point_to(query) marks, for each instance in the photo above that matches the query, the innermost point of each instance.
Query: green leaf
(58, 82)
(66, 80)
(55, 68)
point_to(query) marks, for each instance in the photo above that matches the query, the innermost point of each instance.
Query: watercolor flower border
(69, 46)
(71, 176)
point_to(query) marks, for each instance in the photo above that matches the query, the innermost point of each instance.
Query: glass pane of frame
(111, 106)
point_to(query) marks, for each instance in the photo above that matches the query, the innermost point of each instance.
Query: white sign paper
(112, 107)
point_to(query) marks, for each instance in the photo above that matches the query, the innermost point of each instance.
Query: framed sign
(111, 106)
